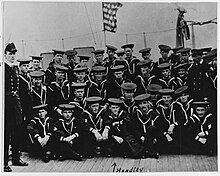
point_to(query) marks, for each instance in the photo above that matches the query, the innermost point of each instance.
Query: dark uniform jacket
(38, 128)
(25, 96)
(63, 130)
(199, 81)
(12, 100)
(141, 122)
(95, 121)
(61, 92)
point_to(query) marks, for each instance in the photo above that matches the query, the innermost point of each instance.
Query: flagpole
(103, 24)
(104, 37)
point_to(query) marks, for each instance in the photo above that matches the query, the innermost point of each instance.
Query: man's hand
(201, 134)
(98, 136)
(202, 140)
(43, 141)
(118, 139)
(142, 139)
(105, 134)
(170, 129)
(169, 138)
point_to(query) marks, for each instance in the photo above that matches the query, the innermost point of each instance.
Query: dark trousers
(12, 125)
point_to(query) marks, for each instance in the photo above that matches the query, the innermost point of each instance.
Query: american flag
(109, 15)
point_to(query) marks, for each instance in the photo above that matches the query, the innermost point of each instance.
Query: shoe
(61, 158)
(151, 155)
(88, 156)
(19, 163)
(7, 168)
(76, 156)
(46, 158)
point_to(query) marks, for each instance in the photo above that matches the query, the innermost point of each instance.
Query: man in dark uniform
(163, 123)
(132, 60)
(182, 111)
(71, 56)
(99, 55)
(198, 79)
(83, 61)
(61, 88)
(175, 56)
(180, 74)
(36, 61)
(99, 73)
(153, 90)
(111, 56)
(25, 98)
(184, 55)
(57, 60)
(164, 51)
(166, 80)
(142, 119)
(128, 90)
(82, 76)
(202, 130)
(13, 117)
(40, 92)
(145, 53)
(68, 134)
(40, 130)
(144, 77)
(96, 129)
(79, 94)
(116, 82)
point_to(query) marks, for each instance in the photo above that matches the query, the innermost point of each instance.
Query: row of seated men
(177, 125)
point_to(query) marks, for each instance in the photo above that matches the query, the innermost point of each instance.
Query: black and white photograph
(109, 87)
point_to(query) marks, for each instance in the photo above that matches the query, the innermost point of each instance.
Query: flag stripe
(109, 15)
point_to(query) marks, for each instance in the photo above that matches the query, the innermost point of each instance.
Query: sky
(37, 27)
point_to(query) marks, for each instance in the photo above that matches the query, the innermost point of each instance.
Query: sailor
(36, 62)
(57, 60)
(68, 134)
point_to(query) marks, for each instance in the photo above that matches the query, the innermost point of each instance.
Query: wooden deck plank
(171, 163)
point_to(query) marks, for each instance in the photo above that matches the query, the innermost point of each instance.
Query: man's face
(184, 98)
(167, 99)
(146, 55)
(120, 56)
(197, 59)
(37, 81)
(164, 54)
(128, 94)
(145, 71)
(80, 76)
(99, 58)
(118, 75)
(83, 63)
(10, 56)
(144, 106)
(67, 114)
(181, 72)
(42, 114)
(115, 109)
(184, 58)
(60, 75)
(200, 111)
(94, 108)
(98, 76)
(58, 58)
(110, 53)
(166, 73)
(24, 68)
(72, 60)
(154, 97)
(79, 93)
(36, 63)
(128, 52)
